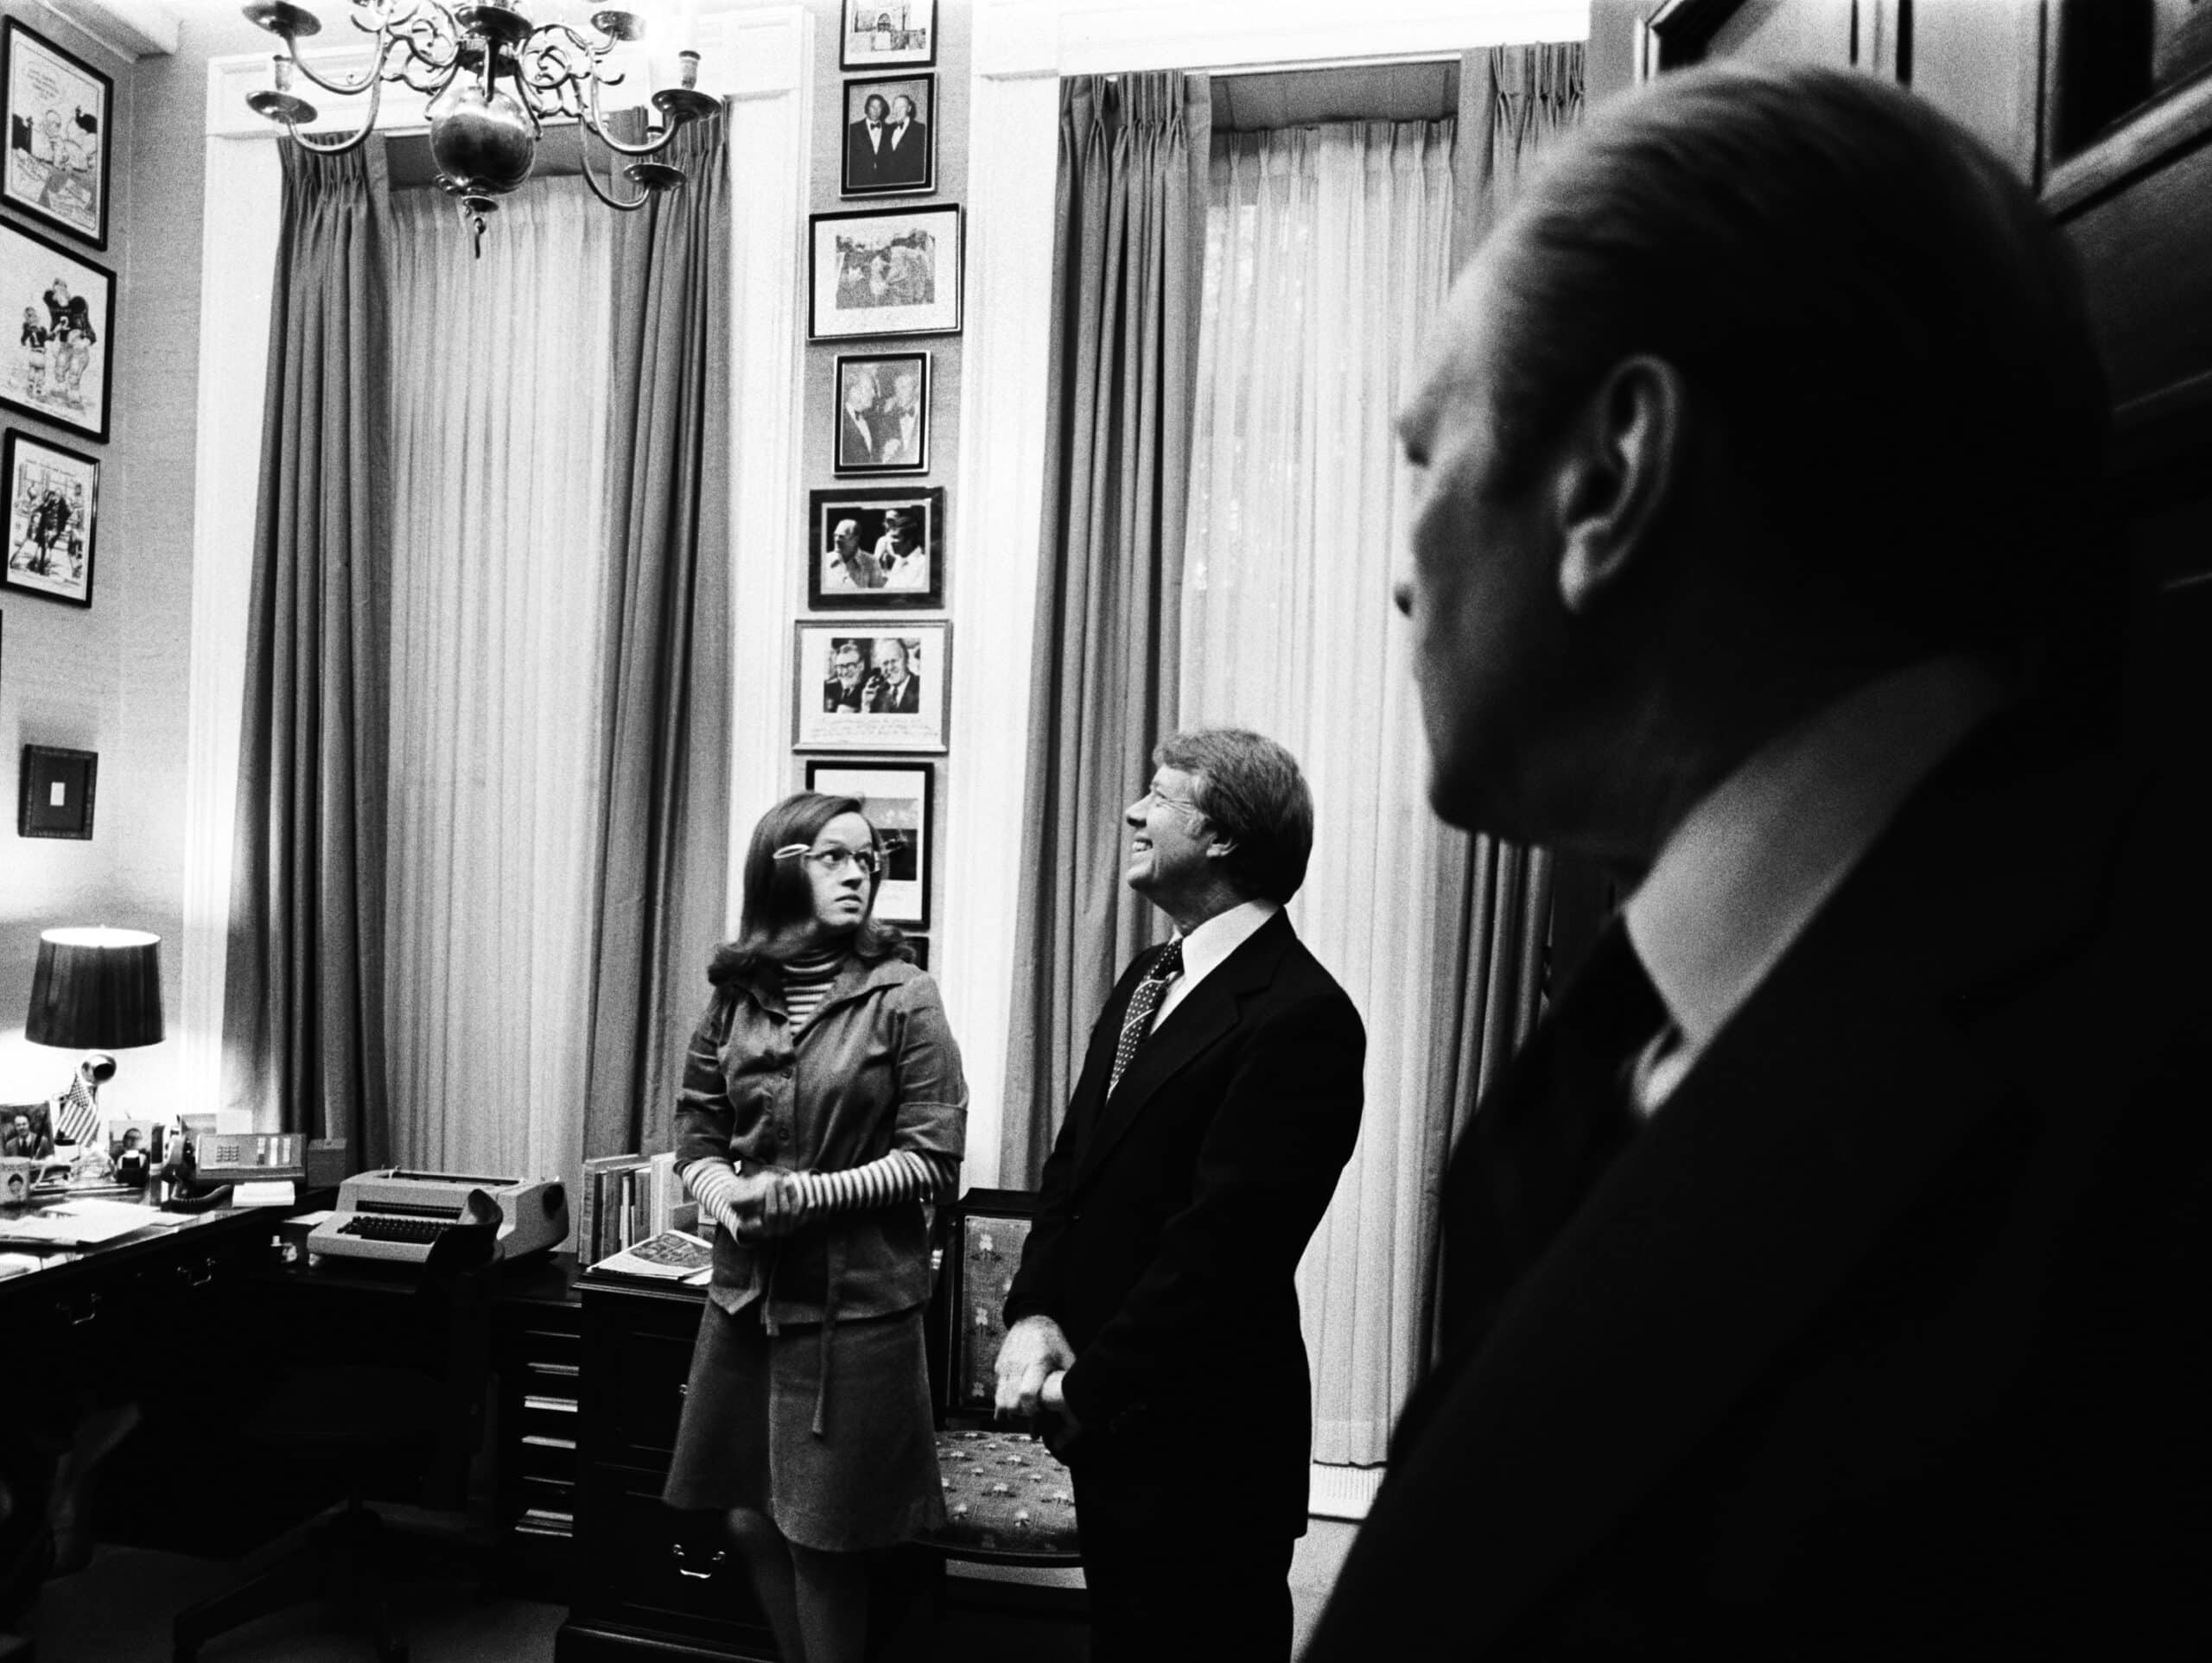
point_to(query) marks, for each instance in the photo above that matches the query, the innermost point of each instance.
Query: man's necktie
(1142, 1003)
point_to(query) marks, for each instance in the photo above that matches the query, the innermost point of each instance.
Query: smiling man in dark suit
(1826, 1277)
(1155, 1304)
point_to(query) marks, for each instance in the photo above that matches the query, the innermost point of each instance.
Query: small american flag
(76, 1113)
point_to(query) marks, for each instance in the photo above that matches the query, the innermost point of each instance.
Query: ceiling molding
(131, 29)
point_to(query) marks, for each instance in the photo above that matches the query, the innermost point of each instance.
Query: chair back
(456, 1303)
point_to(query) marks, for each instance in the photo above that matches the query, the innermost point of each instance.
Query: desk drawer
(638, 1355)
(660, 1569)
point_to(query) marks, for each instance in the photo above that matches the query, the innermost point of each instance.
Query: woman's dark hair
(779, 901)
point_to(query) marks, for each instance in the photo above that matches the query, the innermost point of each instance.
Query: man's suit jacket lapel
(1209, 1012)
(1720, 1231)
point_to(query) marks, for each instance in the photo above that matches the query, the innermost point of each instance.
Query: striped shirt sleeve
(713, 1184)
(901, 1176)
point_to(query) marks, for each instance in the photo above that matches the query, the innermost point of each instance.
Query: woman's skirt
(748, 1438)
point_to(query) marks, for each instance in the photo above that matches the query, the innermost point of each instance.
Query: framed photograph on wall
(890, 135)
(883, 413)
(59, 117)
(875, 549)
(56, 362)
(897, 799)
(58, 787)
(53, 501)
(884, 271)
(872, 684)
(883, 34)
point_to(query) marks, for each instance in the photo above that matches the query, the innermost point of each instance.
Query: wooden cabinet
(540, 1366)
(650, 1582)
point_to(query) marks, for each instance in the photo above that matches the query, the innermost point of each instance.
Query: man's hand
(1034, 1350)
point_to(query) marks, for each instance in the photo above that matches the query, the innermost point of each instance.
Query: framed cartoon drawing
(58, 115)
(57, 362)
(884, 271)
(872, 684)
(889, 34)
(890, 135)
(54, 502)
(883, 413)
(896, 798)
(874, 549)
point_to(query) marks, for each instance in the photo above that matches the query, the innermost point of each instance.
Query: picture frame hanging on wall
(58, 362)
(884, 271)
(60, 111)
(871, 684)
(896, 798)
(890, 135)
(872, 550)
(57, 791)
(882, 420)
(54, 498)
(887, 34)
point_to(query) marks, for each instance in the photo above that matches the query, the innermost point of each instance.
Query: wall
(819, 393)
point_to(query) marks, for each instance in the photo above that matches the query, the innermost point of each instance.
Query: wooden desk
(352, 1307)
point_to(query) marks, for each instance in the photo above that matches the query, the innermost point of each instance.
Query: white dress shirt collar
(1206, 947)
(1741, 876)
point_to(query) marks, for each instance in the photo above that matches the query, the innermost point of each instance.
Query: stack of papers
(79, 1223)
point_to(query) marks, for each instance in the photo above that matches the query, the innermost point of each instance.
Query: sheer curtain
(1327, 251)
(498, 613)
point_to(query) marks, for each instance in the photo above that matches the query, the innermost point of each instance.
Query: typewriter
(396, 1216)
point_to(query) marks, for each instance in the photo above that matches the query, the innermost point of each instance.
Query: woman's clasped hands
(764, 1206)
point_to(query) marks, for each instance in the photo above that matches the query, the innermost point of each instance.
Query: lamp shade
(96, 988)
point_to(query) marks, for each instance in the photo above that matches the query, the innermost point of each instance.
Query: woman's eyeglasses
(833, 860)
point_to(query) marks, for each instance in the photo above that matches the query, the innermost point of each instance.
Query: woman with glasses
(822, 1110)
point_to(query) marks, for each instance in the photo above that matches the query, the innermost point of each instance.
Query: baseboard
(1341, 1492)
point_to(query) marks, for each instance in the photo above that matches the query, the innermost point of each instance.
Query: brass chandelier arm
(584, 160)
(368, 83)
(353, 141)
(593, 120)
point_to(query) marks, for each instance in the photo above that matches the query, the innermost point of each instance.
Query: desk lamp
(95, 990)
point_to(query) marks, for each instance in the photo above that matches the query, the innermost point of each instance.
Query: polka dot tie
(1142, 1003)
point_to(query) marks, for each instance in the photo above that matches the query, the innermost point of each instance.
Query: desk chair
(426, 1411)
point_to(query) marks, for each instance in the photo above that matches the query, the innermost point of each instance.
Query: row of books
(630, 1201)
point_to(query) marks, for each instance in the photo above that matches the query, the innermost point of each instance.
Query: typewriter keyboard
(375, 1228)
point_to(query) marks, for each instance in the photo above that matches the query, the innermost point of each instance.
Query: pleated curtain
(1328, 250)
(500, 595)
(303, 1022)
(1515, 102)
(663, 841)
(1127, 247)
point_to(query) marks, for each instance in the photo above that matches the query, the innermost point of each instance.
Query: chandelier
(493, 78)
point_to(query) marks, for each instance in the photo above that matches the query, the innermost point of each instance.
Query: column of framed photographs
(57, 310)
(873, 653)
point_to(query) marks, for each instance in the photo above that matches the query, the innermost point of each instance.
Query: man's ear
(1221, 848)
(1623, 464)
